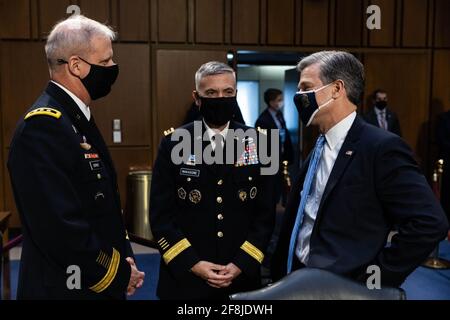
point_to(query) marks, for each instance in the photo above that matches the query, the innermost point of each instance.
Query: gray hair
(338, 65)
(211, 68)
(73, 37)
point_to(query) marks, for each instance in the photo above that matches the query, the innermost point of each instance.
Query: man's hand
(211, 273)
(230, 270)
(136, 278)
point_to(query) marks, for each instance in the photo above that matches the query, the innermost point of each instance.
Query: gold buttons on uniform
(99, 176)
(188, 179)
(220, 182)
(220, 234)
(250, 178)
(220, 216)
(219, 200)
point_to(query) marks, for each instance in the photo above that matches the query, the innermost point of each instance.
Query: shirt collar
(213, 132)
(379, 111)
(340, 130)
(84, 109)
(272, 112)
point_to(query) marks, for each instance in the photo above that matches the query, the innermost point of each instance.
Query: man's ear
(338, 89)
(196, 98)
(74, 64)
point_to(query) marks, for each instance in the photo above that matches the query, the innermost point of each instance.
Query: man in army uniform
(64, 181)
(212, 222)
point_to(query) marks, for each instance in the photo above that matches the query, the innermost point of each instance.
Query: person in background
(272, 118)
(380, 115)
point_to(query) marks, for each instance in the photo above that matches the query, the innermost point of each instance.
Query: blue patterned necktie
(312, 168)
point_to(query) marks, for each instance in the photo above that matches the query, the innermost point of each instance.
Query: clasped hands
(217, 276)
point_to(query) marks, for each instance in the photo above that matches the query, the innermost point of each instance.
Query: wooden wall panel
(96, 9)
(406, 85)
(134, 20)
(442, 25)
(124, 159)
(414, 27)
(175, 70)
(349, 22)
(129, 100)
(441, 81)
(15, 19)
(440, 95)
(24, 75)
(280, 21)
(385, 37)
(315, 22)
(50, 12)
(172, 21)
(2, 180)
(245, 21)
(209, 21)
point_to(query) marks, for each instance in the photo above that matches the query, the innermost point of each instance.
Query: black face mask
(381, 105)
(99, 80)
(218, 111)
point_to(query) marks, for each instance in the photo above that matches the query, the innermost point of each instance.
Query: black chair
(316, 284)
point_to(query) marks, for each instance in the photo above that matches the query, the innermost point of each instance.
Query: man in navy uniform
(212, 222)
(65, 186)
(358, 183)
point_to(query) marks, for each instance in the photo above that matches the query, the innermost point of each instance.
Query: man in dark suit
(357, 184)
(380, 115)
(212, 221)
(272, 118)
(75, 245)
(443, 142)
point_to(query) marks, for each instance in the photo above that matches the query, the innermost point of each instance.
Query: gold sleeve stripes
(163, 243)
(253, 251)
(178, 248)
(103, 260)
(106, 281)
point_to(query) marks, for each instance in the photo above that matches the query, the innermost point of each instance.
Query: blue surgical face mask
(307, 106)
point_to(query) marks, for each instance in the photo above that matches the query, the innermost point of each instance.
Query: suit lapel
(272, 121)
(346, 154)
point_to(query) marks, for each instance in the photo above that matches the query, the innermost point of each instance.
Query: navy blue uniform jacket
(65, 188)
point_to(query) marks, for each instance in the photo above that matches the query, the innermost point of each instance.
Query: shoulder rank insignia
(263, 131)
(170, 131)
(44, 112)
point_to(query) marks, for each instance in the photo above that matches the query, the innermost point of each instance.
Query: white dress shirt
(83, 107)
(212, 132)
(334, 139)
